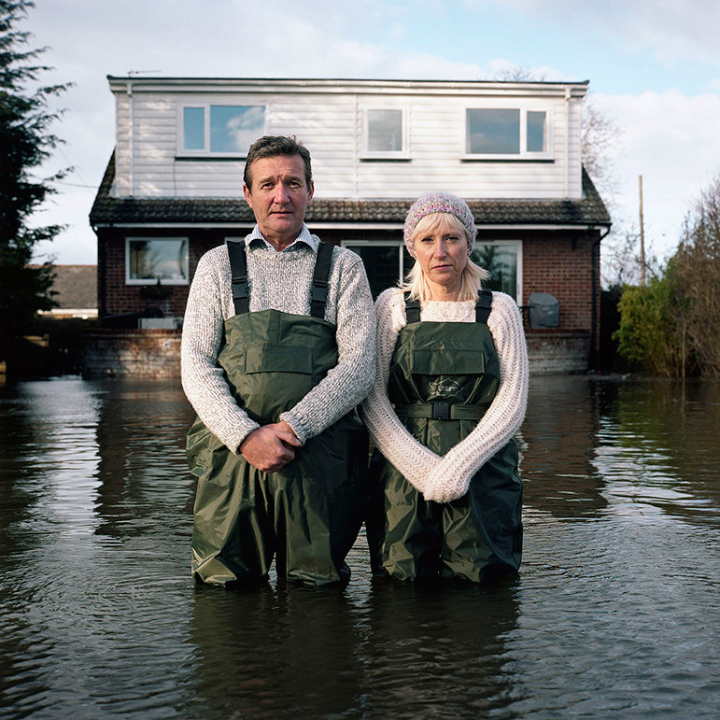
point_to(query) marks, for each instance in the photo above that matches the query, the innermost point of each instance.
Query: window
(385, 262)
(503, 260)
(221, 129)
(507, 133)
(152, 260)
(385, 133)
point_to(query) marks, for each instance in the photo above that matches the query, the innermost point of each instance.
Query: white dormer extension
(381, 139)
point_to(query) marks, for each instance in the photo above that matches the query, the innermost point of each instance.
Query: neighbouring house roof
(75, 291)
(107, 210)
(76, 286)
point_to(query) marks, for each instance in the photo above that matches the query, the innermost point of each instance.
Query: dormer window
(507, 133)
(385, 134)
(226, 130)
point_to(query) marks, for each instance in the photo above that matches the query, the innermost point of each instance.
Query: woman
(450, 393)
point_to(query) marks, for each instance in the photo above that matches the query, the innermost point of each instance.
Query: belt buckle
(441, 411)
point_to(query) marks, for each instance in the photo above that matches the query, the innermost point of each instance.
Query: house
(173, 189)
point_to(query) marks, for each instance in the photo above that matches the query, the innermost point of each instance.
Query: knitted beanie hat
(439, 202)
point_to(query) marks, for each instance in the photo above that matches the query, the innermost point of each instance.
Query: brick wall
(552, 353)
(115, 297)
(155, 354)
(563, 268)
(131, 353)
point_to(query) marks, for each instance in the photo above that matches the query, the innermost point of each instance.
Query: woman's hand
(442, 487)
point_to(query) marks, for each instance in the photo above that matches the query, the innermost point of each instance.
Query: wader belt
(241, 297)
(482, 307)
(442, 411)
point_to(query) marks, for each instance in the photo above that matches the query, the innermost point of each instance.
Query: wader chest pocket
(283, 359)
(449, 362)
(275, 379)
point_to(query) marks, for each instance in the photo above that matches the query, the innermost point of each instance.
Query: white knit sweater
(281, 281)
(448, 477)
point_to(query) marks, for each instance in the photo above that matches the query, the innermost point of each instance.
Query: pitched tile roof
(76, 286)
(108, 210)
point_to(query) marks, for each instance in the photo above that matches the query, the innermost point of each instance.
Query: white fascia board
(579, 226)
(476, 88)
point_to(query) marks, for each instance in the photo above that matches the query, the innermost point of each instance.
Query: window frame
(523, 153)
(399, 244)
(518, 244)
(206, 151)
(403, 153)
(154, 281)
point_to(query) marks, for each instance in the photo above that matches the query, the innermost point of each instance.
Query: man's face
(279, 197)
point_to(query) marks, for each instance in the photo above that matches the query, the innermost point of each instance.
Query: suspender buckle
(319, 291)
(240, 283)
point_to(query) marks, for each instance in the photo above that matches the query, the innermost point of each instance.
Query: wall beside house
(121, 353)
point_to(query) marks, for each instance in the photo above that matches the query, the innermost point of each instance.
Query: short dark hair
(272, 146)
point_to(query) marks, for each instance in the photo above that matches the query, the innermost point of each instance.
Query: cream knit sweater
(281, 281)
(448, 477)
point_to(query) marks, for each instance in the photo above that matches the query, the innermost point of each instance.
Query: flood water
(615, 611)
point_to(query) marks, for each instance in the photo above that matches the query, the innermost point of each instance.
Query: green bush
(651, 335)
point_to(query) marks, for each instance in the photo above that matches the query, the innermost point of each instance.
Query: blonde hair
(472, 276)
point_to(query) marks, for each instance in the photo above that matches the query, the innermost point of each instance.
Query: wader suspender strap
(412, 309)
(482, 308)
(241, 298)
(238, 265)
(319, 292)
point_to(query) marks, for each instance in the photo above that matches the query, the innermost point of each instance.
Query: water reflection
(142, 471)
(389, 651)
(440, 651)
(658, 451)
(558, 442)
(614, 611)
(612, 446)
(287, 649)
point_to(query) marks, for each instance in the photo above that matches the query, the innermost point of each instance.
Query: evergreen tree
(25, 142)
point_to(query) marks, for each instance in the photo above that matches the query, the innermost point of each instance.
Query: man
(278, 348)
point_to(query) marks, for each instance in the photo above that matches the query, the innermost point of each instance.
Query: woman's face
(441, 249)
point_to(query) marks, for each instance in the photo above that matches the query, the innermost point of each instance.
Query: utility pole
(642, 237)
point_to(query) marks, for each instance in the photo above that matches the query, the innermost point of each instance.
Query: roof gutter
(325, 225)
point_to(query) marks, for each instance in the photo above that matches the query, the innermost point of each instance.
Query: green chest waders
(307, 515)
(443, 377)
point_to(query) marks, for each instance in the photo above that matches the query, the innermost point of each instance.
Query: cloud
(670, 139)
(672, 31)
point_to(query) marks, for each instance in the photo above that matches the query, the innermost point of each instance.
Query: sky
(653, 68)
